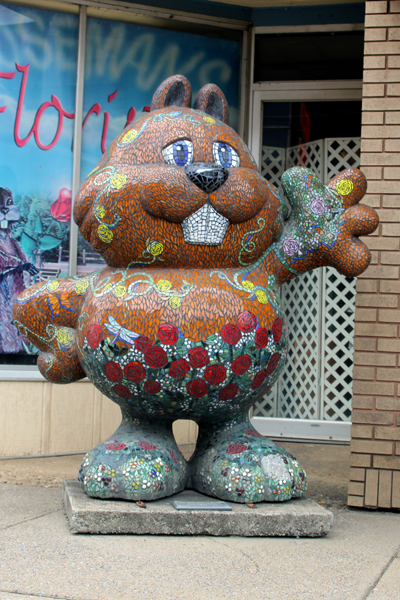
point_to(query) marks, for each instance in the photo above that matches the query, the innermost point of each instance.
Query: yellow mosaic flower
(53, 285)
(175, 302)
(105, 234)
(163, 285)
(100, 211)
(118, 181)
(129, 136)
(208, 119)
(81, 286)
(262, 297)
(155, 248)
(248, 285)
(65, 336)
(345, 187)
(107, 287)
(119, 291)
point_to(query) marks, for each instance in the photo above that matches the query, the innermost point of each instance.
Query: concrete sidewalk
(39, 557)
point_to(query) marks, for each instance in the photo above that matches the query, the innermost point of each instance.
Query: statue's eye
(179, 153)
(224, 155)
(9, 201)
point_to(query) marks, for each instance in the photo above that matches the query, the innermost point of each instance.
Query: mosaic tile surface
(185, 321)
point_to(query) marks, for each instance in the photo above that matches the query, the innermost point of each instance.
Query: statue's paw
(326, 222)
(140, 470)
(247, 468)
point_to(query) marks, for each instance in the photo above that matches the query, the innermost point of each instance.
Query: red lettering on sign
(62, 113)
(55, 103)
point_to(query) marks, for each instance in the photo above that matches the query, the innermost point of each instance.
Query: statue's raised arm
(323, 226)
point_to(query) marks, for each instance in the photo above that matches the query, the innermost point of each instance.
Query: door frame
(295, 91)
(298, 91)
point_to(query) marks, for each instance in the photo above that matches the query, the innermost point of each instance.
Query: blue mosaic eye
(178, 153)
(224, 155)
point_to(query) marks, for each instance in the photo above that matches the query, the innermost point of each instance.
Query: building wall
(375, 445)
(44, 418)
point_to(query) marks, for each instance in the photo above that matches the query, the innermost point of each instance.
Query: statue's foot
(138, 462)
(237, 464)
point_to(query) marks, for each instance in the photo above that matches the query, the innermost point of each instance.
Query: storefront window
(37, 97)
(124, 63)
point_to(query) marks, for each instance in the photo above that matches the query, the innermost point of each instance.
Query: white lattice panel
(338, 335)
(340, 154)
(273, 164)
(296, 394)
(309, 155)
(338, 305)
(320, 307)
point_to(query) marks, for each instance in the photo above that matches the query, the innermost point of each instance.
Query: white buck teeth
(205, 226)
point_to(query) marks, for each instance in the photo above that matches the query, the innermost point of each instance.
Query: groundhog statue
(185, 321)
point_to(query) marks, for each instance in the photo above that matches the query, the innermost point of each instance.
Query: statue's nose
(208, 177)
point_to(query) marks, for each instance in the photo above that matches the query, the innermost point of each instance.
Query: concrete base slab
(295, 518)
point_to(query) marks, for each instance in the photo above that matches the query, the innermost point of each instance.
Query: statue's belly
(194, 350)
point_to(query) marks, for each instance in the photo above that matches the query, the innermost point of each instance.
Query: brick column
(375, 444)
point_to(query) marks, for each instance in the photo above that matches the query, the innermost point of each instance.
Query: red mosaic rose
(135, 371)
(147, 446)
(156, 357)
(115, 446)
(273, 363)
(173, 456)
(198, 358)
(228, 392)
(241, 364)
(142, 343)
(261, 338)
(152, 387)
(94, 335)
(277, 330)
(122, 391)
(179, 368)
(113, 371)
(235, 448)
(168, 334)
(215, 374)
(246, 321)
(253, 433)
(231, 334)
(196, 388)
(259, 378)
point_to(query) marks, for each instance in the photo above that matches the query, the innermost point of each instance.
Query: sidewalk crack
(250, 558)
(35, 595)
(384, 570)
(31, 519)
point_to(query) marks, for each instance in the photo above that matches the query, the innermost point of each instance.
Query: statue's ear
(212, 101)
(174, 91)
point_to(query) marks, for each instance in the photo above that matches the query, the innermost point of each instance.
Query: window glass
(38, 61)
(124, 65)
(309, 56)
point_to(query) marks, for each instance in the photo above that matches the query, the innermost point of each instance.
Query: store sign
(38, 62)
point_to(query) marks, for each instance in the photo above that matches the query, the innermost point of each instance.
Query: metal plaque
(201, 505)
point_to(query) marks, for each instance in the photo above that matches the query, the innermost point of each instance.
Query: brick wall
(375, 445)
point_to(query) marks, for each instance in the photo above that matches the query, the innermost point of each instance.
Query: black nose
(207, 177)
(4, 209)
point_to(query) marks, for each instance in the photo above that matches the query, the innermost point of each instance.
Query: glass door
(312, 398)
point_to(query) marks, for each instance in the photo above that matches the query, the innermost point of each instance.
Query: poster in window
(38, 61)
